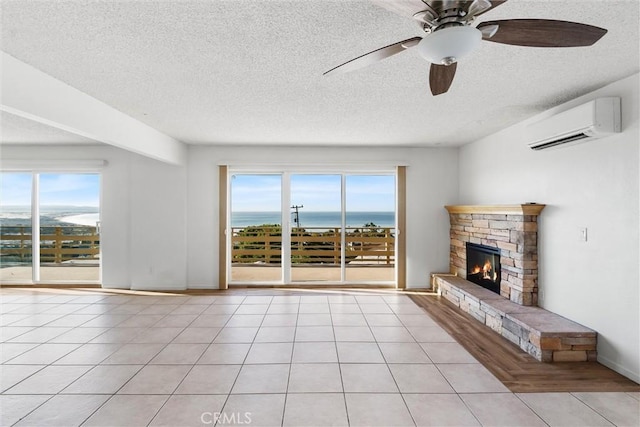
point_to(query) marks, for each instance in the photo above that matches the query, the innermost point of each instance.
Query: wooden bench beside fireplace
(513, 312)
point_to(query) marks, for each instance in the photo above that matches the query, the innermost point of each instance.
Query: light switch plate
(583, 234)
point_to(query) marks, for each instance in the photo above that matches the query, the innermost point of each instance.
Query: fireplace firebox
(483, 266)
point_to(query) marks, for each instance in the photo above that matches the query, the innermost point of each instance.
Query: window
(310, 228)
(64, 209)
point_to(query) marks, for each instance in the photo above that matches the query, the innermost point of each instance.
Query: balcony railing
(57, 243)
(313, 245)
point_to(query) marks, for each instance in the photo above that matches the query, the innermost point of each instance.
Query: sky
(317, 193)
(249, 193)
(73, 189)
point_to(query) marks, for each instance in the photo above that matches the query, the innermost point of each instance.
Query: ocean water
(60, 215)
(50, 215)
(315, 219)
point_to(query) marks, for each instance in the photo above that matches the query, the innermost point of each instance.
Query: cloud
(315, 192)
(15, 189)
(75, 189)
(55, 189)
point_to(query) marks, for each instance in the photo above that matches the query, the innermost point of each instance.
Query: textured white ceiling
(18, 130)
(250, 72)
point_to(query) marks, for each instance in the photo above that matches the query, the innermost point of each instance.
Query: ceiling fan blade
(374, 56)
(441, 77)
(543, 33)
(477, 8)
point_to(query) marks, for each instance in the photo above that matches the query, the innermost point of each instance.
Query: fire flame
(487, 271)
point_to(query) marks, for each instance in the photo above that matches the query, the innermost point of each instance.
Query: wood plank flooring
(516, 369)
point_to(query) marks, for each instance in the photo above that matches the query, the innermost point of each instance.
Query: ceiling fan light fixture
(448, 45)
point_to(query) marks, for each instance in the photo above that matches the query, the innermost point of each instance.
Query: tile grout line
(335, 343)
(112, 395)
(293, 345)
(436, 365)
(531, 409)
(387, 364)
(592, 408)
(224, 404)
(57, 393)
(188, 371)
(61, 357)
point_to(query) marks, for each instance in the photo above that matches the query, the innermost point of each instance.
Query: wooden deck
(240, 273)
(311, 273)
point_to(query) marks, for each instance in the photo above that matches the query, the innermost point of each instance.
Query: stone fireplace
(498, 286)
(511, 229)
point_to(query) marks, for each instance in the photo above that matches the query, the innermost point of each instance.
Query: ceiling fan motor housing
(448, 45)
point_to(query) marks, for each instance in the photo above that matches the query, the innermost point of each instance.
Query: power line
(296, 214)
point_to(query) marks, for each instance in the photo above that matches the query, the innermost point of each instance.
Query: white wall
(158, 200)
(431, 183)
(143, 215)
(592, 185)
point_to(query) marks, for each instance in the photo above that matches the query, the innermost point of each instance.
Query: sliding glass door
(316, 228)
(255, 234)
(370, 228)
(339, 228)
(16, 241)
(64, 209)
(69, 210)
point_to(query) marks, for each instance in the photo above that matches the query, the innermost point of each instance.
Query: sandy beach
(83, 219)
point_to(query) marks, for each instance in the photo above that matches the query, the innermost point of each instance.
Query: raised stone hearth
(511, 228)
(546, 336)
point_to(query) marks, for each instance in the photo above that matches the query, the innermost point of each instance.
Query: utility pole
(296, 214)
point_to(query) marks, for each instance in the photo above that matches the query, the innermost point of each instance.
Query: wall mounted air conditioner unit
(595, 119)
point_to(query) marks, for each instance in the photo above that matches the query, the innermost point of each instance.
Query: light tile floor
(96, 358)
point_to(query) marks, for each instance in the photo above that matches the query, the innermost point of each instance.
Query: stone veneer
(546, 336)
(511, 228)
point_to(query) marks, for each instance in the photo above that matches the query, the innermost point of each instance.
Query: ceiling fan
(450, 36)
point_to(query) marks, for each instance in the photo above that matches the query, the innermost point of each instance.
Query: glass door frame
(288, 267)
(286, 173)
(88, 167)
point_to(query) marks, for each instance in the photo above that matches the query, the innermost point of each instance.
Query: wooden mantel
(525, 209)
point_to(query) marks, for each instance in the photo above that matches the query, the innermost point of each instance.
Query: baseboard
(115, 287)
(202, 286)
(168, 288)
(50, 285)
(633, 376)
